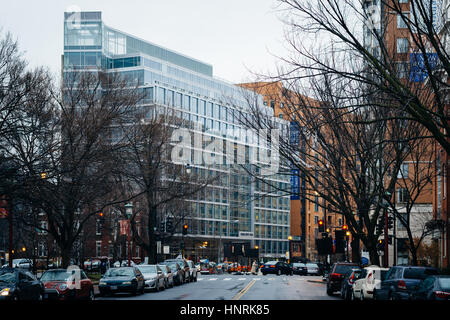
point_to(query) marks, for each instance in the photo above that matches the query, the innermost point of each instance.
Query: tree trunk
(66, 254)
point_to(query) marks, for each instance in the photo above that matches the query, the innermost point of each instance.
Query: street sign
(166, 249)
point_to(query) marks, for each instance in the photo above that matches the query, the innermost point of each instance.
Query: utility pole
(386, 239)
(10, 221)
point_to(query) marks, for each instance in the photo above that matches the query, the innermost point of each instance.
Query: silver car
(168, 276)
(312, 269)
(153, 276)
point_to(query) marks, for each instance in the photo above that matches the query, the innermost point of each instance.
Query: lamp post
(290, 245)
(129, 213)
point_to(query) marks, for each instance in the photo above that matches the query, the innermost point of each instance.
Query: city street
(240, 287)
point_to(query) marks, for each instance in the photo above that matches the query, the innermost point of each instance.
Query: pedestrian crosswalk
(234, 279)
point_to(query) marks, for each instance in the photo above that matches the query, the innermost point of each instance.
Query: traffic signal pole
(386, 240)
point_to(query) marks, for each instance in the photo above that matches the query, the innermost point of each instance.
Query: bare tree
(352, 40)
(64, 145)
(163, 183)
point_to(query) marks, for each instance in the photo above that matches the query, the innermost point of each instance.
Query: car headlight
(126, 282)
(102, 283)
(63, 286)
(5, 292)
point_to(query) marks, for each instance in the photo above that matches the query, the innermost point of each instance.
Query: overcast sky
(234, 36)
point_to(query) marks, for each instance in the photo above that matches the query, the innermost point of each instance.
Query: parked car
(204, 266)
(123, 279)
(277, 267)
(368, 281)
(299, 268)
(184, 266)
(63, 284)
(312, 269)
(347, 284)
(337, 274)
(26, 264)
(18, 284)
(153, 276)
(192, 271)
(177, 271)
(400, 282)
(168, 275)
(432, 288)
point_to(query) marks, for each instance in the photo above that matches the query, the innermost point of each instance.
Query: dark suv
(400, 281)
(337, 275)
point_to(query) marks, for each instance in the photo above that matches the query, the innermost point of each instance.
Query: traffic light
(380, 245)
(345, 227)
(321, 226)
(380, 225)
(101, 217)
(185, 228)
(169, 224)
(390, 222)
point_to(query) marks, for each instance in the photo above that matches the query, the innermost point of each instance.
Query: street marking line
(212, 279)
(226, 279)
(242, 279)
(243, 291)
(256, 279)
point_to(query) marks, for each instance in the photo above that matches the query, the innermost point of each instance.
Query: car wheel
(329, 292)
(391, 296)
(263, 273)
(279, 272)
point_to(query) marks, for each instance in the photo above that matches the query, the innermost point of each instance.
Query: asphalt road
(240, 287)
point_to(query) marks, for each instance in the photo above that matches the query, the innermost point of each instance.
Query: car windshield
(62, 275)
(444, 283)
(343, 269)
(298, 264)
(7, 276)
(147, 269)
(271, 263)
(119, 272)
(418, 273)
(312, 265)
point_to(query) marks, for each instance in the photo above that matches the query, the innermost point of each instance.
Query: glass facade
(234, 205)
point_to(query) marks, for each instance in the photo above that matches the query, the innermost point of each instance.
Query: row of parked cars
(64, 284)
(395, 283)
(136, 279)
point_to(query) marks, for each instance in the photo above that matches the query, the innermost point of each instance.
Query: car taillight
(272, 266)
(401, 285)
(442, 294)
(335, 276)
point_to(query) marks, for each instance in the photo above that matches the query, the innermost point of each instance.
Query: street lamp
(129, 213)
(290, 245)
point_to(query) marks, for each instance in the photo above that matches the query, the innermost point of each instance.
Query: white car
(192, 271)
(368, 281)
(312, 269)
(124, 264)
(20, 263)
(153, 276)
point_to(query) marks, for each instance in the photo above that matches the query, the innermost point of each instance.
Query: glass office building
(238, 207)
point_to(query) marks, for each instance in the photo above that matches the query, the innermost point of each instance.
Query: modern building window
(402, 45)
(316, 203)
